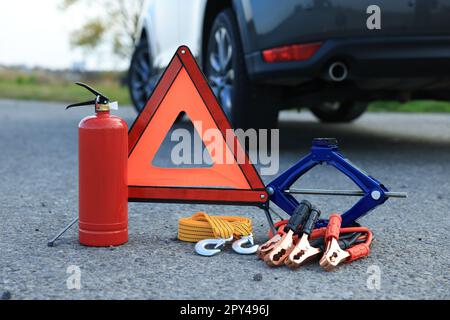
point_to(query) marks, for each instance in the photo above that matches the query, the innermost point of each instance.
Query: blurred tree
(114, 24)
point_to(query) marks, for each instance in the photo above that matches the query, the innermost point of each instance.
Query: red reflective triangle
(183, 88)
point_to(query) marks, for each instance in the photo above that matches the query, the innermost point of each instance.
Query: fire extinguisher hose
(203, 226)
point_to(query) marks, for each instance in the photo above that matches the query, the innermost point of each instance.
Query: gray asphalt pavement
(38, 169)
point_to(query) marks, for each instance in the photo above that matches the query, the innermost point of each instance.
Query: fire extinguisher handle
(95, 92)
(99, 97)
(79, 104)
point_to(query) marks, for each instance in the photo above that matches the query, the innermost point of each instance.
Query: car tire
(245, 104)
(339, 111)
(141, 76)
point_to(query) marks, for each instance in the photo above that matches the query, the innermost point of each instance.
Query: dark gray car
(331, 56)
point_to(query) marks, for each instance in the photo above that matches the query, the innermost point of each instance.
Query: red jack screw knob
(103, 187)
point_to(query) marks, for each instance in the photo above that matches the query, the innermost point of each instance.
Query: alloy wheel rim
(143, 79)
(221, 75)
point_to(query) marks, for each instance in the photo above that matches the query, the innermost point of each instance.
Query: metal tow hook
(245, 240)
(201, 246)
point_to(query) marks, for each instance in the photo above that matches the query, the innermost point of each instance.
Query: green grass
(61, 92)
(411, 106)
(14, 85)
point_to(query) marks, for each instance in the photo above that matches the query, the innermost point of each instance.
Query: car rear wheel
(142, 78)
(339, 111)
(245, 104)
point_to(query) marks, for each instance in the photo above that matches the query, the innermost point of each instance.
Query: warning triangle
(183, 88)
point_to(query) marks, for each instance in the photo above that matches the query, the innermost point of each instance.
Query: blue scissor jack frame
(325, 151)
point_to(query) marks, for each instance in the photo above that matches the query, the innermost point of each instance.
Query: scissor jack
(325, 151)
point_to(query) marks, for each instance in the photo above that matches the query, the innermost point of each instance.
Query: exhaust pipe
(337, 71)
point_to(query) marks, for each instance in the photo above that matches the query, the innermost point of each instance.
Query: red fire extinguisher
(103, 188)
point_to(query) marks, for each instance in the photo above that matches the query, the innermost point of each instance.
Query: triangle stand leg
(51, 242)
(270, 220)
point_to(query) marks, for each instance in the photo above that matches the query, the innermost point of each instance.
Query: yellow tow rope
(203, 226)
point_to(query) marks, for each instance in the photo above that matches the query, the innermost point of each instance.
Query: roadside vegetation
(59, 86)
(411, 106)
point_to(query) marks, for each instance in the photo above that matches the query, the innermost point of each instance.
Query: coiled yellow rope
(203, 226)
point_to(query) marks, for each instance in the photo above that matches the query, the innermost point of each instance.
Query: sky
(36, 33)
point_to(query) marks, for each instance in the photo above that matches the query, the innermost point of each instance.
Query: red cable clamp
(334, 254)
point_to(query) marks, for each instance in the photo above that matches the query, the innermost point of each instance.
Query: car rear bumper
(367, 58)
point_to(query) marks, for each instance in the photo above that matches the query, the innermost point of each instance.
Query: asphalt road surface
(410, 256)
